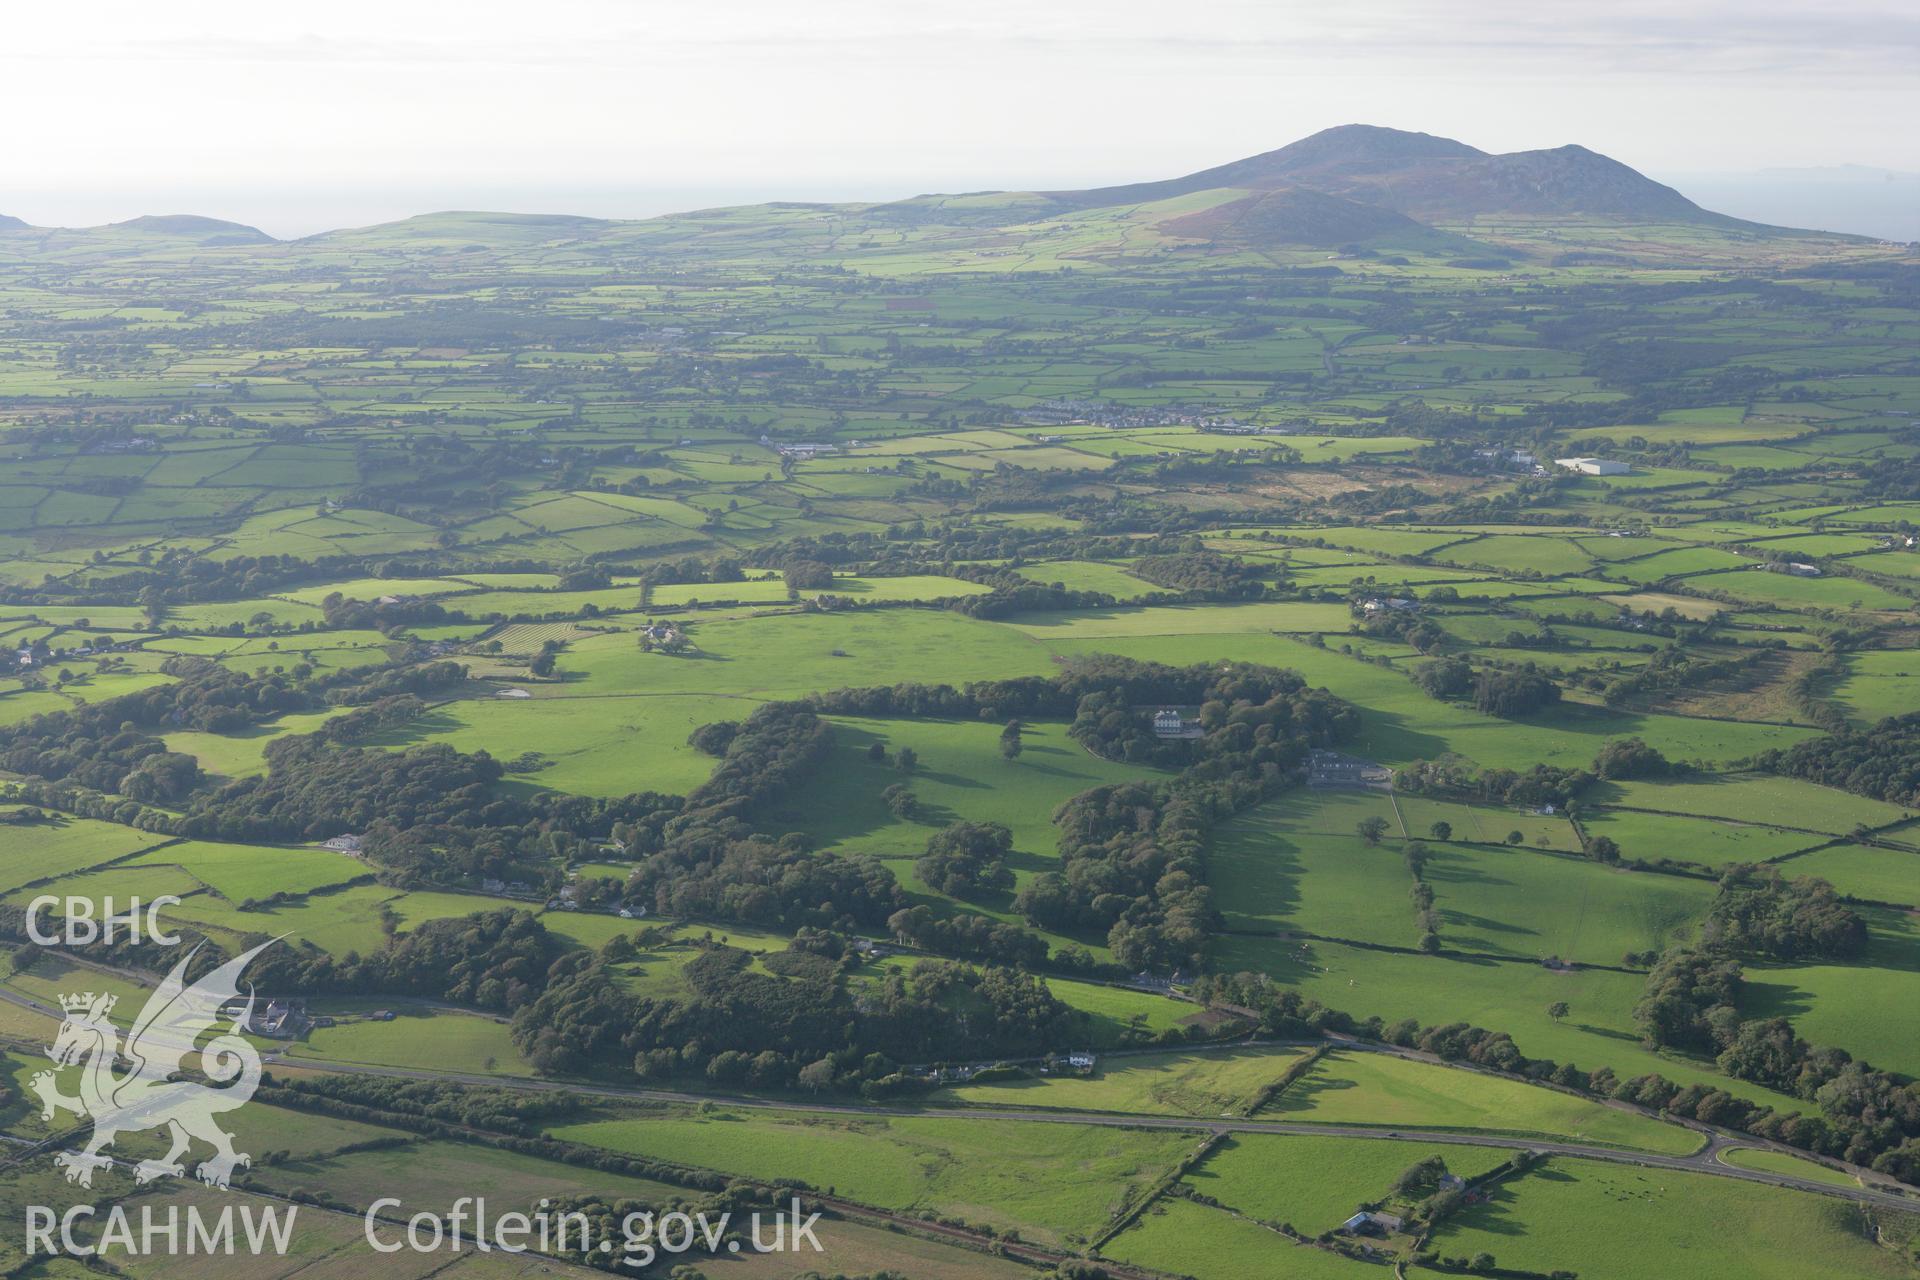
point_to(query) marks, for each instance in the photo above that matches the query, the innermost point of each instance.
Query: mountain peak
(1426, 177)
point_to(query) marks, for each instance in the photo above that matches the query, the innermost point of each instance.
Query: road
(1705, 1161)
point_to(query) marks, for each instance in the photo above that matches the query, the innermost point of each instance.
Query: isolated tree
(1371, 829)
(1010, 740)
(1558, 1010)
(816, 1076)
(901, 802)
(1441, 831)
(877, 752)
(1515, 837)
(906, 760)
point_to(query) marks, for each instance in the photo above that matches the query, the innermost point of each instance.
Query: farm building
(283, 1019)
(1594, 466)
(347, 843)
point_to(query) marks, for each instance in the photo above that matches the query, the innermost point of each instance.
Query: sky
(300, 115)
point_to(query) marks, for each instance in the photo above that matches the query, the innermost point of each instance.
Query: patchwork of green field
(243, 754)
(378, 588)
(1542, 554)
(1270, 881)
(1313, 1183)
(1902, 564)
(62, 846)
(415, 1039)
(1512, 995)
(599, 747)
(1119, 1015)
(302, 1135)
(1385, 1091)
(986, 1171)
(674, 595)
(1878, 683)
(51, 976)
(1759, 798)
(1089, 575)
(1405, 725)
(1712, 842)
(1789, 591)
(1185, 1237)
(1183, 620)
(339, 922)
(118, 883)
(786, 657)
(1654, 1224)
(1683, 563)
(961, 775)
(1793, 1166)
(1875, 874)
(576, 424)
(1485, 824)
(1533, 905)
(428, 1175)
(1871, 1009)
(1214, 1083)
(246, 873)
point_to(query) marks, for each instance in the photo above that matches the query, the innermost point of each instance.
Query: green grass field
(1879, 875)
(1653, 1224)
(1385, 1091)
(1314, 1182)
(239, 872)
(1793, 1166)
(1572, 908)
(422, 1041)
(984, 1171)
(1182, 1237)
(48, 850)
(1187, 1084)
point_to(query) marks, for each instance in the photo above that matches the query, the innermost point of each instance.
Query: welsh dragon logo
(147, 1095)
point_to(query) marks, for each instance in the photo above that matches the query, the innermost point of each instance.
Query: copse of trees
(771, 750)
(1444, 678)
(1626, 758)
(1455, 777)
(967, 860)
(1513, 693)
(1202, 573)
(797, 1026)
(1882, 761)
(99, 745)
(1761, 912)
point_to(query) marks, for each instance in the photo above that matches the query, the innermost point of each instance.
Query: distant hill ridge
(195, 227)
(1427, 178)
(1355, 187)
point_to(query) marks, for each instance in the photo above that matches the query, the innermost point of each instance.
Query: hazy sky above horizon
(300, 116)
